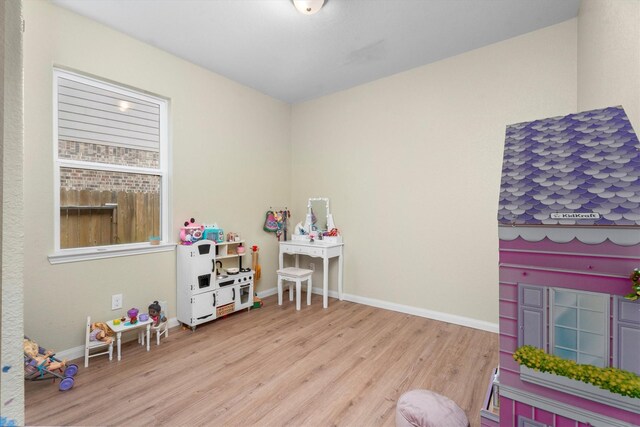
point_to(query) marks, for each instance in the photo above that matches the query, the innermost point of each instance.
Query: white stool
(294, 274)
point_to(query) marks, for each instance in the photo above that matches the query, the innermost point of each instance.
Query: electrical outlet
(116, 301)
(312, 266)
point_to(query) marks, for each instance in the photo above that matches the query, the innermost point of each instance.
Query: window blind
(87, 113)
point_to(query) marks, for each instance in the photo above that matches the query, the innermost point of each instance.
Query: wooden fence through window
(98, 218)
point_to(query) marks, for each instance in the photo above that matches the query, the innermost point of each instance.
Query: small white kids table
(127, 326)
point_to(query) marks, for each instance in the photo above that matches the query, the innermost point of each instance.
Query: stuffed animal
(100, 332)
(33, 351)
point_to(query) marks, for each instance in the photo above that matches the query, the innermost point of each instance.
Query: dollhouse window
(579, 326)
(111, 168)
(571, 324)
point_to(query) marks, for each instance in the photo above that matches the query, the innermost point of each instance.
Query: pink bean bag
(424, 408)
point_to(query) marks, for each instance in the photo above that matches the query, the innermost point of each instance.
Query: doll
(155, 313)
(33, 351)
(100, 332)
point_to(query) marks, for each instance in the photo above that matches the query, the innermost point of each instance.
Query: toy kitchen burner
(203, 295)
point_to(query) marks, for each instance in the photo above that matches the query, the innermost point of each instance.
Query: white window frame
(109, 251)
(606, 321)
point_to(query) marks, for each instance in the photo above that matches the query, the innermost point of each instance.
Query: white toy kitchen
(203, 294)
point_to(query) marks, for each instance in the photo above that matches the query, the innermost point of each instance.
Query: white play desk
(127, 326)
(317, 249)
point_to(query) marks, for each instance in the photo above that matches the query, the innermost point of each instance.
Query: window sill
(88, 254)
(579, 388)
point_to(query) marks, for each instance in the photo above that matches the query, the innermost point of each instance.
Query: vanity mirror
(317, 214)
(318, 223)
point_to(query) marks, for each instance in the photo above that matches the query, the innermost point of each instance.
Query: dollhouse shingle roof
(581, 163)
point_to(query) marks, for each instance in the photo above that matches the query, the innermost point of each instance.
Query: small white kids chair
(90, 345)
(160, 330)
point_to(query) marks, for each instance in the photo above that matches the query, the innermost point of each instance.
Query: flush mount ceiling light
(308, 7)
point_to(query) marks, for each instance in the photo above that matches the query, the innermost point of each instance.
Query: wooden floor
(343, 366)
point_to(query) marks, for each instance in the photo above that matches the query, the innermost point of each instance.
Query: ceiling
(270, 46)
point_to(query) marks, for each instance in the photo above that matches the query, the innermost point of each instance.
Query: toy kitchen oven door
(196, 284)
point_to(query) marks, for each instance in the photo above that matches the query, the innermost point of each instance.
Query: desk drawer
(313, 252)
(302, 250)
(289, 249)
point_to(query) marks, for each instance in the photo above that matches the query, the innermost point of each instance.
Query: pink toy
(191, 232)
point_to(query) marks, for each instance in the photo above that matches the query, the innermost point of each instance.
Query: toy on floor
(100, 332)
(40, 364)
(257, 302)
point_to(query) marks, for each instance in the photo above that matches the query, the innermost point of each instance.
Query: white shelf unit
(227, 250)
(201, 296)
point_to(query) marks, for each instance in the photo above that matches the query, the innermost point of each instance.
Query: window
(111, 163)
(579, 329)
(578, 324)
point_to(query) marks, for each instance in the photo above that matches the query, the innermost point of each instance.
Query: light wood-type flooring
(275, 366)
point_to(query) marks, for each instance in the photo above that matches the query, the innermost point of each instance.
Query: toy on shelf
(40, 364)
(100, 332)
(214, 233)
(191, 232)
(334, 232)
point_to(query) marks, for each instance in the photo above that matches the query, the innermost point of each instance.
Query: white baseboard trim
(407, 309)
(267, 292)
(423, 312)
(78, 352)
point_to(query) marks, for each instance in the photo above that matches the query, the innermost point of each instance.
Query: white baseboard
(78, 352)
(423, 312)
(407, 309)
(267, 292)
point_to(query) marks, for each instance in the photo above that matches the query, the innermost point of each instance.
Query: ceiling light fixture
(308, 7)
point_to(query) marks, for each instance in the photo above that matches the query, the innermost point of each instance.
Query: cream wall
(412, 165)
(230, 156)
(609, 56)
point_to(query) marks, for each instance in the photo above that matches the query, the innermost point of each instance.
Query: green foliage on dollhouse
(615, 380)
(635, 285)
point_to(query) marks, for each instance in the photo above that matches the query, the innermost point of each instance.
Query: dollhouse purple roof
(581, 163)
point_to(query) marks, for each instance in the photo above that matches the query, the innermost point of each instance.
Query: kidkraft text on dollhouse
(569, 228)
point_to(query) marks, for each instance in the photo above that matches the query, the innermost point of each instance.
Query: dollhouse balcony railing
(580, 389)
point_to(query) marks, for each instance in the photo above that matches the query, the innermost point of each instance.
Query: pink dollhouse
(569, 228)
